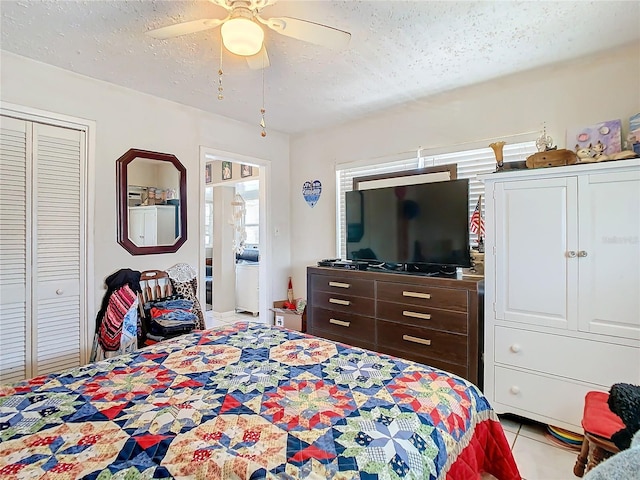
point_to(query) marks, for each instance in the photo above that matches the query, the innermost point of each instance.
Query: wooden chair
(154, 284)
(599, 423)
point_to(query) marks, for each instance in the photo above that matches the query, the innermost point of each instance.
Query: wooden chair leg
(581, 461)
(597, 455)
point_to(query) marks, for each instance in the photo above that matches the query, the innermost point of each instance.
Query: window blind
(470, 164)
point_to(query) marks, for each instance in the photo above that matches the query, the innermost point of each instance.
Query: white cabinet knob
(515, 348)
(571, 254)
(515, 390)
(59, 291)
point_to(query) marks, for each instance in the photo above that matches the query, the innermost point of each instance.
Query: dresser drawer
(576, 358)
(356, 342)
(423, 295)
(345, 324)
(420, 316)
(460, 370)
(344, 303)
(556, 398)
(424, 343)
(342, 285)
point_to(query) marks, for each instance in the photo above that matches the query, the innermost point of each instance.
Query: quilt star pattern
(250, 401)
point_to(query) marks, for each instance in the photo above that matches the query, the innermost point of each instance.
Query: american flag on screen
(476, 225)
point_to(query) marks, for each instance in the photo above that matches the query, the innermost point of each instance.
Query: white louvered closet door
(15, 263)
(42, 324)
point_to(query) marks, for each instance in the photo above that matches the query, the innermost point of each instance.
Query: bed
(250, 401)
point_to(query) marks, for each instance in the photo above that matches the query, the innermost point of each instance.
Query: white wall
(583, 92)
(127, 119)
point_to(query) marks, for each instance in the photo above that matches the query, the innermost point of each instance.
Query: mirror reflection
(151, 202)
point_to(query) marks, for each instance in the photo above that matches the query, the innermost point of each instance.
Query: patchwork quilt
(250, 401)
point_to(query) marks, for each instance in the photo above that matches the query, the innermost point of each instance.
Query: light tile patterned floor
(537, 457)
(211, 322)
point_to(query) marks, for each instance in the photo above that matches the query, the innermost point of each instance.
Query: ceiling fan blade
(309, 31)
(184, 28)
(259, 60)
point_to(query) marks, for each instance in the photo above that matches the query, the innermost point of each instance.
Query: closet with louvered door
(43, 326)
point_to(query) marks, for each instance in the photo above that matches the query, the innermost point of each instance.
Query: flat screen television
(421, 228)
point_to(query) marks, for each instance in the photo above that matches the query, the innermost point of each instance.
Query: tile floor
(537, 457)
(211, 322)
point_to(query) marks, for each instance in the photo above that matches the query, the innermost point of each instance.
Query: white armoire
(42, 248)
(562, 287)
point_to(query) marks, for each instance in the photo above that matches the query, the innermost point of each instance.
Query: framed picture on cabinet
(226, 170)
(246, 171)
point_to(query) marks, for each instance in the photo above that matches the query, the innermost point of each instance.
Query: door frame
(87, 303)
(265, 244)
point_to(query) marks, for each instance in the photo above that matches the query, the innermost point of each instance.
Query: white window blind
(470, 163)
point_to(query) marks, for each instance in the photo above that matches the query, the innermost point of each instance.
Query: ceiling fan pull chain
(220, 87)
(263, 133)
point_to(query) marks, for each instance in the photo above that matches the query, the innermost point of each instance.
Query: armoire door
(609, 254)
(42, 308)
(536, 277)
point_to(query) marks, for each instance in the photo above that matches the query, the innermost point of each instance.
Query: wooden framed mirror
(152, 202)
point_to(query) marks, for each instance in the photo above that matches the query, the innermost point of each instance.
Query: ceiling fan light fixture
(242, 36)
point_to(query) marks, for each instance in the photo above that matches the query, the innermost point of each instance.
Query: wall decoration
(604, 137)
(311, 192)
(246, 170)
(634, 131)
(226, 170)
(207, 173)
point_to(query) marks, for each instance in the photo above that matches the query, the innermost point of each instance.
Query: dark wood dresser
(431, 320)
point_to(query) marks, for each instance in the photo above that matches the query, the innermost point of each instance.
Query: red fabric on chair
(597, 418)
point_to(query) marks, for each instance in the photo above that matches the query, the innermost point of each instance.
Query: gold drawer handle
(423, 316)
(339, 302)
(422, 341)
(339, 322)
(416, 294)
(339, 284)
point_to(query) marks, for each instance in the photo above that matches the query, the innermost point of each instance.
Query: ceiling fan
(242, 34)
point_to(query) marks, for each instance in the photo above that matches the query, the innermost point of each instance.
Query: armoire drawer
(426, 296)
(344, 286)
(542, 395)
(574, 358)
(420, 316)
(344, 303)
(345, 324)
(423, 343)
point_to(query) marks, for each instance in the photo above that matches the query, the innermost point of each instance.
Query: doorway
(234, 245)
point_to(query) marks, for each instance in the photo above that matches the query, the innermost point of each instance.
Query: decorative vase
(497, 151)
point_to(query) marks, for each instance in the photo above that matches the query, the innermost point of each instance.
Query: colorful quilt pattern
(250, 402)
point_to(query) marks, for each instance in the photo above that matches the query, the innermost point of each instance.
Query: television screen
(423, 224)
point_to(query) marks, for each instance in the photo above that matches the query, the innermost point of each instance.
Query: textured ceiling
(399, 50)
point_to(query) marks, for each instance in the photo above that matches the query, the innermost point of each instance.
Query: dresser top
(448, 281)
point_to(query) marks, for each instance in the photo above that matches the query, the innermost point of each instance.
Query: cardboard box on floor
(286, 318)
